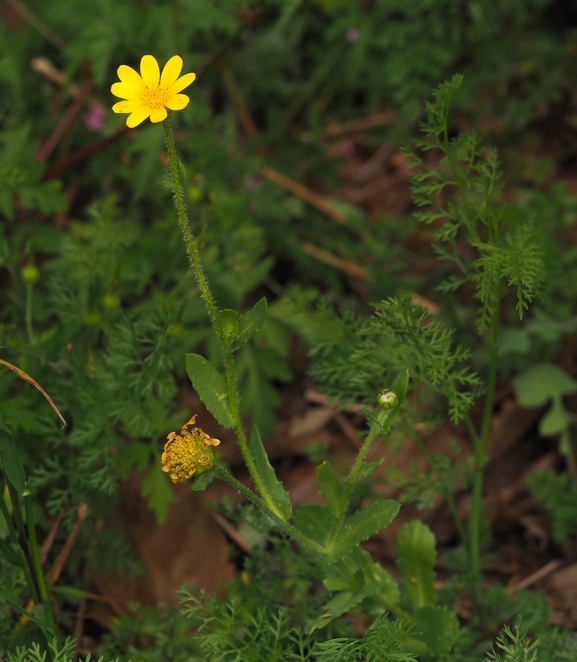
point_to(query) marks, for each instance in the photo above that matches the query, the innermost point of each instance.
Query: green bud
(194, 193)
(111, 301)
(30, 273)
(387, 399)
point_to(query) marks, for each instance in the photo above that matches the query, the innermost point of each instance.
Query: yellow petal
(177, 102)
(137, 116)
(171, 71)
(158, 114)
(126, 90)
(127, 106)
(150, 71)
(128, 75)
(181, 83)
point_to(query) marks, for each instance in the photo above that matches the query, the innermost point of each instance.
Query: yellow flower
(188, 452)
(149, 94)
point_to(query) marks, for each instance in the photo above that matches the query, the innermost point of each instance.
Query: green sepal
(416, 554)
(250, 323)
(11, 462)
(362, 525)
(230, 325)
(200, 483)
(275, 495)
(211, 388)
(330, 488)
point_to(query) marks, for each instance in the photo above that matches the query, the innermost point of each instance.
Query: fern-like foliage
(383, 641)
(230, 633)
(57, 653)
(458, 197)
(515, 647)
(559, 496)
(398, 335)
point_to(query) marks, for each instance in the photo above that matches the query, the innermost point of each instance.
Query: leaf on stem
(229, 322)
(275, 492)
(362, 525)
(211, 388)
(330, 488)
(250, 323)
(416, 554)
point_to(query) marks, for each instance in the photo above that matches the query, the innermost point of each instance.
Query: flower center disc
(155, 98)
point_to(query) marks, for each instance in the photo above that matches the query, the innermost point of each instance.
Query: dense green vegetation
(99, 305)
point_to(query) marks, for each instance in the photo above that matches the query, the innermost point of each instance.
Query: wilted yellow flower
(149, 94)
(188, 453)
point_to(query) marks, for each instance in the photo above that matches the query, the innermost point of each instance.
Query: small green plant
(118, 346)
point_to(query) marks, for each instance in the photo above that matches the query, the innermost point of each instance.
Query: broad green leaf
(362, 525)
(437, 628)
(11, 461)
(157, 489)
(416, 554)
(229, 321)
(275, 491)
(314, 520)
(330, 488)
(540, 383)
(250, 323)
(211, 388)
(203, 481)
(555, 420)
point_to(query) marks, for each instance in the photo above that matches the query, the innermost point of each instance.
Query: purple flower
(94, 118)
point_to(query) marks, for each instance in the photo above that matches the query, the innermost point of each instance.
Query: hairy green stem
(213, 312)
(260, 503)
(376, 427)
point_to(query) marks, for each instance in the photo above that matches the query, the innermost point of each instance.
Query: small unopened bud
(387, 399)
(30, 273)
(111, 301)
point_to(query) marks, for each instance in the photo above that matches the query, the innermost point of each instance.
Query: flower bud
(387, 399)
(30, 273)
(111, 301)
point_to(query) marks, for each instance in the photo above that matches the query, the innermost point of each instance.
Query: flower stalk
(213, 312)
